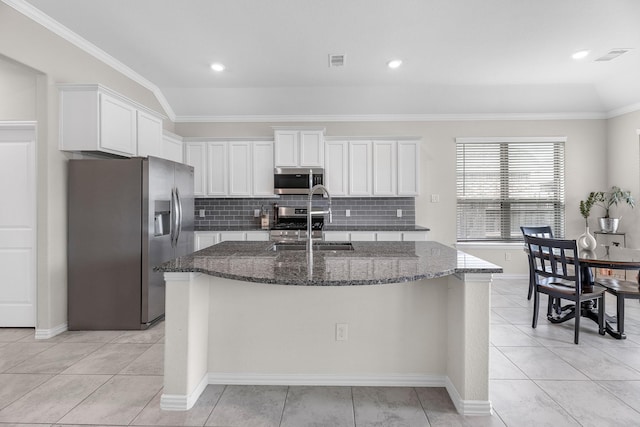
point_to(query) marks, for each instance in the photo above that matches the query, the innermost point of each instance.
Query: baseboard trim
(181, 402)
(468, 407)
(44, 334)
(393, 380)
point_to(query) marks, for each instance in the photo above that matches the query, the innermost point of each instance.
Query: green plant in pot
(608, 199)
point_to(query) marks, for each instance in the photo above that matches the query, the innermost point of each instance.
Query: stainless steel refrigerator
(125, 217)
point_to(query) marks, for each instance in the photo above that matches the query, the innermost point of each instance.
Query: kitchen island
(363, 313)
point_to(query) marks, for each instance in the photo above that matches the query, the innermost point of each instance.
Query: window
(503, 183)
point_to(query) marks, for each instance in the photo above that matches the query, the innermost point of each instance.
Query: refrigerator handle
(172, 219)
(179, 211)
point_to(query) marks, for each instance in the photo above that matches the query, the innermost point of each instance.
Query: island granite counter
(244, 313)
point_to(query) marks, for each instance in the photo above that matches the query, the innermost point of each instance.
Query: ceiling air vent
(612, 54)
(336, 60)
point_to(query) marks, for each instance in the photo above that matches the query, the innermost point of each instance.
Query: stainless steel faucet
(312, 190)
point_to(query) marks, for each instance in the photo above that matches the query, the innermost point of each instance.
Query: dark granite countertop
(327, 227)
(369, 263)
(330, 227)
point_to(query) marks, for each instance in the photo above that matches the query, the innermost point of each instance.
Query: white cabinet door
(360, 168)
(233, 236)
(384, 168)
(263, 168)
(258, 236)
(286, 148)
(336, 236)
(217, 169)
(240, 168)
(414, 236)
(204, 239)
(408, 168)
(336, 176)
(172, 148)
(363, 236)
(195, 155)
(117, 126)
(149, 135)
(311, 148)
(389, 236)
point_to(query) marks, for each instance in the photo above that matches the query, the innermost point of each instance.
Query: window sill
(490, 245)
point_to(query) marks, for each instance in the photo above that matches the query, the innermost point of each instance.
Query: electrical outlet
(507, 256)
(342, 331)
(435, 198)
(399, 213)
(347, 212)
(202, 214)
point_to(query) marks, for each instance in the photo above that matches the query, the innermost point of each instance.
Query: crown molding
(390, 117)
(57, 28)
(623, 110)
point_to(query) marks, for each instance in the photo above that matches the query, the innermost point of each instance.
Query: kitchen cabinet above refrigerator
(94, 118)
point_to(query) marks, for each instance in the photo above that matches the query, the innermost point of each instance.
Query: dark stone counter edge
(304, 282)
(326, 228)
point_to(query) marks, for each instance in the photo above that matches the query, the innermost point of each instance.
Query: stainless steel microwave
(296, 180)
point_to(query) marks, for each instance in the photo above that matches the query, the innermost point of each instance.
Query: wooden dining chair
(556, 271)
(622, 289)
(536, 231)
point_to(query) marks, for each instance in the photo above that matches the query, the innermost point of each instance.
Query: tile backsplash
(364, 210)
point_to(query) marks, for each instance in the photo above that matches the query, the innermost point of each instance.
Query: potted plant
(586, 240)
(608, 199)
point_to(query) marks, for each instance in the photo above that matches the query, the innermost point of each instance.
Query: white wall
(623, 170)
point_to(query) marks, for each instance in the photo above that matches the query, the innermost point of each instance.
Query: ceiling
(460, 57)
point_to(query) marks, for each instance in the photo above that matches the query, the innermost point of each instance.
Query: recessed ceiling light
(216, 66)
(580, 54)
(395, 63)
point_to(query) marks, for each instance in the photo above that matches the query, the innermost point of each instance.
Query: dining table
(602, 257)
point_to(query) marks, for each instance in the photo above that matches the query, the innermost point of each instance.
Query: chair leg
(576, 332)
(601, 315)
(531, 281)
(620, 313)
(536, 301)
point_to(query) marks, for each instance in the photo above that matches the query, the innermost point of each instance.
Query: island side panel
(468, 342)
(277, 334)
(186, 339)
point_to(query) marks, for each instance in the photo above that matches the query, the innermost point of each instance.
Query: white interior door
(17, 225)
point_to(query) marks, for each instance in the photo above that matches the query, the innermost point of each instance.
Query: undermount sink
(301, 246)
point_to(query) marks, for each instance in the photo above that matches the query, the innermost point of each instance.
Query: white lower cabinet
(208, 238)
(375, 236)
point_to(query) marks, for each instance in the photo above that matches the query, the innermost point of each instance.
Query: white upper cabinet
(195, 155)
(95, 118)
(240, 169)
(360, 173)
(172, 147)
(385, 166)
(216, 169)
(381, 168)
(299, 147)
(231, 168)
(149, 135)
(262, 168)
(408, 168)
(336, 167)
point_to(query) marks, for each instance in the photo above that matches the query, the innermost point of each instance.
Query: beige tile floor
(538, 378)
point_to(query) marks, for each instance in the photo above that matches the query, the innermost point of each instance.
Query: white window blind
(503, 183)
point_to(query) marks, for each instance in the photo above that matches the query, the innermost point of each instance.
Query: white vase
(586, 241)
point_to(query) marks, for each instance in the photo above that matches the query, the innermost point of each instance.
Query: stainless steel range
(291, 224)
